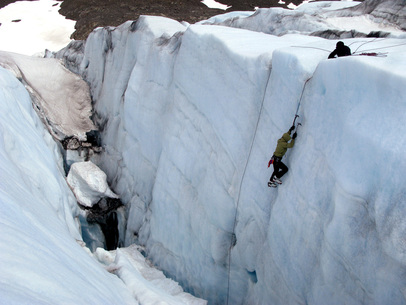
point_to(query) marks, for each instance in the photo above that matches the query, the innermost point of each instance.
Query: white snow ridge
(189, 116)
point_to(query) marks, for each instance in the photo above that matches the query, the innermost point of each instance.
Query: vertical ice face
(191, 117)
(42, 260)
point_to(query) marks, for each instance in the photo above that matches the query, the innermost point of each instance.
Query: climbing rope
(356, 50)
(364, 43)
(354, 53)
(233, 237)
(300, 99)
(387, 47)
(316, 48)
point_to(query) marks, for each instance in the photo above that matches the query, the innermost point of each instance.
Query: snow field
(37, 24)
(314, 18)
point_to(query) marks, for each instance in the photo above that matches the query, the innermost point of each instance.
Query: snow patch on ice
(62, 99)
(40, 27)
(89, 183)
(215, 4)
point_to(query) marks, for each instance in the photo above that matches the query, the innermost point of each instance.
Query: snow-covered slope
(191, 116)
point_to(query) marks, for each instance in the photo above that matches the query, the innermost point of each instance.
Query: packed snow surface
(191, 115)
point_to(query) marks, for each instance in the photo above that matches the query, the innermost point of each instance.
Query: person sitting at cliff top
(341, 50)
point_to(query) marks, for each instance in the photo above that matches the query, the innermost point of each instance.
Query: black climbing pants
(279, 168)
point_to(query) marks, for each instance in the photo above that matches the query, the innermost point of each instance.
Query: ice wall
(42, 260)
(190, 118)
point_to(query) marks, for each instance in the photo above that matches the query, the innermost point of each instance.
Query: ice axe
(297, 126)
(294, 120)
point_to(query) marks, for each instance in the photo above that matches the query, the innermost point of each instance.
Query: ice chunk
(89, 183)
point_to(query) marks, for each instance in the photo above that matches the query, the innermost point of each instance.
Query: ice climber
(341, 50)
(279, 167)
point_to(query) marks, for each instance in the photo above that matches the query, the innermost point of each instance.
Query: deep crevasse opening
(186, 101)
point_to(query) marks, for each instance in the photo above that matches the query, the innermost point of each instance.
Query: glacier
(189, 117)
